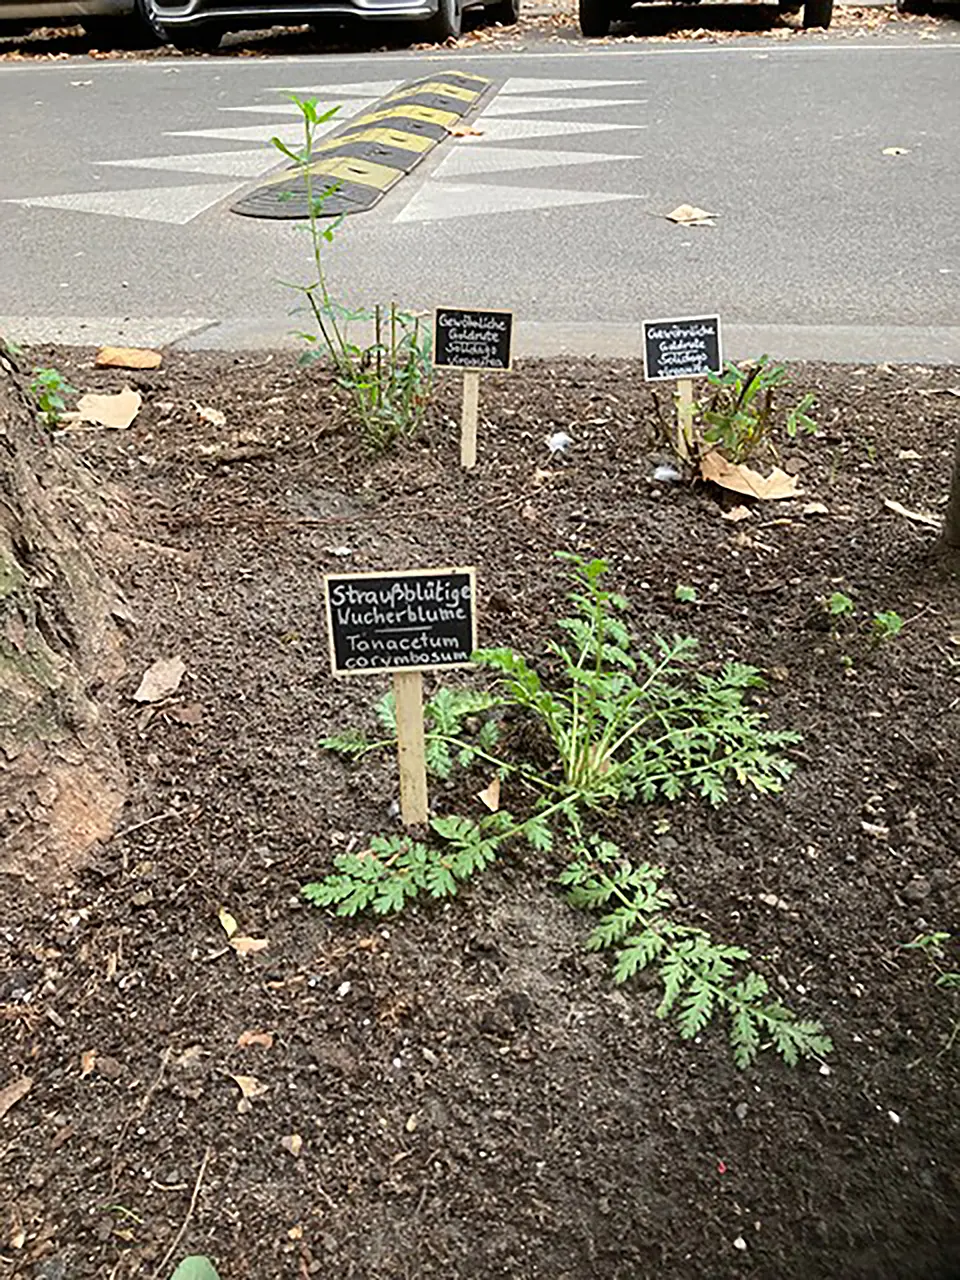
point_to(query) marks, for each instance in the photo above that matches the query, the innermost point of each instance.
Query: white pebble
(559, 442)
(740, 1244)
(894, 1117)
(665, 474)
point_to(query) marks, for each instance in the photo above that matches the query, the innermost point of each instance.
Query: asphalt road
(116, 181)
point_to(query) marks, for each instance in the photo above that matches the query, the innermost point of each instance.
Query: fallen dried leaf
(466, 131)
(215, 417)
(261, 1039)
(740, 478)
(292, 1143)
(228, 921)
(249, 946)
(160, 680)
(815, 509)
(919, 517)
(736, 514)
(88, 1061)
(688, 215)
(191, 713)
(128, 358)
(103, 410)
(908, 455)
(13, 1092)
(249, 1086)
(490, 796)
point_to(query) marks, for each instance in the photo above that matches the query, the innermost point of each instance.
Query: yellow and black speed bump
(354, 167)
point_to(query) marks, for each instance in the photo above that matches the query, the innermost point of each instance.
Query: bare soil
(472, 1095)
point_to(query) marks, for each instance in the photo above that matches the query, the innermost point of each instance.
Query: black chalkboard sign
(684, 348)
(472, 339)
(416, 620)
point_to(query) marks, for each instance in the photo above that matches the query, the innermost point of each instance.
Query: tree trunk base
(62, 781)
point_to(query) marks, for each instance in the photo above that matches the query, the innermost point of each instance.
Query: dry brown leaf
(919, 517)
(688, 215)
(13, 1092)
(88, 1061)
(739, 478)
(490, 796)
(115, 411)
(18, 1234)
(466, 131)
(160, 680)
(292, 1143)
(128, 358)
(736, 514)
(249, 946)
(249, 1086)
(261, 1039)
(228, 921)
(191, 713)
(215, 417)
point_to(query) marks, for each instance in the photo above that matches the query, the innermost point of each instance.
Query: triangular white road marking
(510, 130)
(524, 84)
(178, 205)
(468, 160)
(290, 133)
(227, 164)
(347, 109)
(329, 93)
(522, 106)
(436, 201)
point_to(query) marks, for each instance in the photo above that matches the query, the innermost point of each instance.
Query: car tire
(506, 12)
(445, 24)
(138, 29)
(594, 18)
(817, 13)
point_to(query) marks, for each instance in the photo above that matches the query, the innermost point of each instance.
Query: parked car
(115, 24)
(201, 24)
(597, 15)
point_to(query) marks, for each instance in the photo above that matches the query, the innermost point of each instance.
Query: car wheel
(138, 29)
(817, 13)
(506, 12)
(594, 18)
(445, 23)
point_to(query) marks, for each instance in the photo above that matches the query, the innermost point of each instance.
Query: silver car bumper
(196, 12)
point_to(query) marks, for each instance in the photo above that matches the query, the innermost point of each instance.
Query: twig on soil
(162, 1268)
(147, 822)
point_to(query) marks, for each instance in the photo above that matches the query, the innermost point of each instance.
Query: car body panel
(61, 12)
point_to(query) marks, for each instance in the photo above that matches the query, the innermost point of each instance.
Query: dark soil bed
(474, 1096)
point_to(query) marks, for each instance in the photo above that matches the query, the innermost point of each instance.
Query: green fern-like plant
(701, 978)
(450, 736)
(627, 724)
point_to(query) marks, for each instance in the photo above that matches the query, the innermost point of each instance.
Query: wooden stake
(408, 691)
(468, 423)
(684, 418)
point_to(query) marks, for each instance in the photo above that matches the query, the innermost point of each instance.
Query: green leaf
(196, 1267)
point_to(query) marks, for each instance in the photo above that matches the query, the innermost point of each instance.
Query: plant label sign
(684, 348)
(414, 620)
(471, 339)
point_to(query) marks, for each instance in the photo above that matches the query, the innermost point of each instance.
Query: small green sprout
(886, 626)
(685, 594)
(48, 387)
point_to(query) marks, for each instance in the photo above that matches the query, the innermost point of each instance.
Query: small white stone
(894, 1117)
(665, 474)
(825, 1070)
(559, 442)
(740, 1244)
(343, 990)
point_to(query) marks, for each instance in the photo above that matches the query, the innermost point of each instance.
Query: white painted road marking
(228, 164)
(522, 106)
(468, 160)
(177, 205)
(437, 201)
(498, 130)
(528, 84)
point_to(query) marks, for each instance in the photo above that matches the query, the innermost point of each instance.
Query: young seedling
(196, 1267)
(685, 594)
(886, 626)
(388, 380)
(740, 415)
(49, 387)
